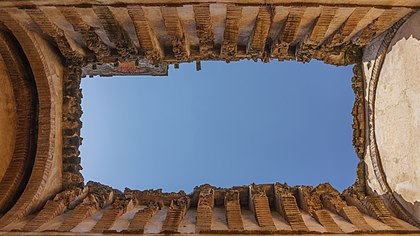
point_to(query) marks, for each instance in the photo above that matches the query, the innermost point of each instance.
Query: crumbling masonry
(48, 46)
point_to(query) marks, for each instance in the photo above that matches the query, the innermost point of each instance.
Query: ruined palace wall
(7, 120)
(396, 119)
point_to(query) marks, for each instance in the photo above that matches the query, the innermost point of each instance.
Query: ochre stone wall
(45, 180)
(7, 119)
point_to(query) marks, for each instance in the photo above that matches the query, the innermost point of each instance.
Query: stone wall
(46, 65)
(57, 41)
(393, 95)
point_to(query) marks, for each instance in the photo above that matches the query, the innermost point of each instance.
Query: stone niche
(397, 116)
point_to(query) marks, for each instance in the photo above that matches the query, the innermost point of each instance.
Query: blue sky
(228, 124)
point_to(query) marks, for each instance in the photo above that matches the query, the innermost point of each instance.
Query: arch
(31, 196)
(380, 174)
(18, 171)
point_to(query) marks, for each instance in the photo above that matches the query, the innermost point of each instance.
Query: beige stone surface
(368, 62)
(280, 222)
(7, 120)
(219, 219)
(397, 114)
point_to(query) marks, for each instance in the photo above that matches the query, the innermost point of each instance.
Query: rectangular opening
(226, 125)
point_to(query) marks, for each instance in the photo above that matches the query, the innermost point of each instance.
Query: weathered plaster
(396, 116)
(397, 113)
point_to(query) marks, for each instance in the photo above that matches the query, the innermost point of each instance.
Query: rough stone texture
(358, 112)
(309, 199)
(120, 206)
(168, 34)
(331, 199)
(324, 217)
(287, 206)
(72, 112)
(233, 210)
(141, 218)
(99, 196)
(101, 209)
(61, 202)
(353, 215)
(205, 209)
(260, 206)
(176, 212)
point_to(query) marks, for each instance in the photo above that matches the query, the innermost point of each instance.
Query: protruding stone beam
(349, 26)
(72, 56)
(61, 202)
(353, 215)
(141, 218)
(379, 25)
(288, 34)
(354, 200)
(233, 210)
(176, 213)
(230, 36)
(115, 31)
(377, 209)
(92, 39)
(325, 219)
(100, 196)
(204, 30)
(205, 210)
(147, 38)
(310, 201)
(261, 208)
(120, 206)
(180, 41)
(330, 198)
(321, 25)
(331, 201)
(87, 208)
(287, 207)
(309, 45)
(257, 43)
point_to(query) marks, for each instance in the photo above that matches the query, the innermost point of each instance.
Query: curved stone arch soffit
(373, 147)
(18, 172)
(29, 200)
